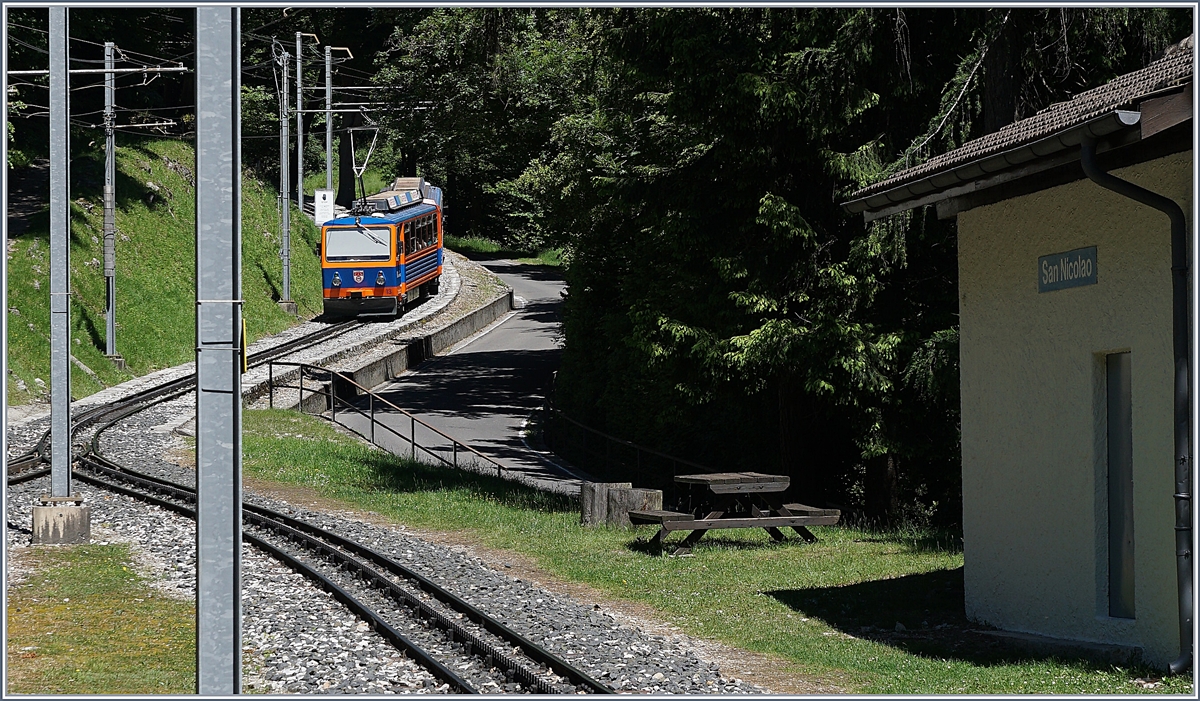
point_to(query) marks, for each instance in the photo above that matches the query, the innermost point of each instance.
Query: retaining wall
(384, 363)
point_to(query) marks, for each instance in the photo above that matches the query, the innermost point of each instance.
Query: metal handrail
(641, 449)
(683, 500)
(334, 399)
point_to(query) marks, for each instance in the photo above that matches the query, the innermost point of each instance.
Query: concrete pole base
(61, 520)
(117, 360)
(289, 307)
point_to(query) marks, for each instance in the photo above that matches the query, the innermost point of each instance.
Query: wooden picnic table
(739, 500)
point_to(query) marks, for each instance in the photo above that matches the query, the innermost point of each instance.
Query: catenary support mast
(218, 352)
(299, 125)
(285, 187)
(60, 257)
(328, 118)
(110, 210)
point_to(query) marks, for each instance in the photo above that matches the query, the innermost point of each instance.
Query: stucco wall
(1033, 409)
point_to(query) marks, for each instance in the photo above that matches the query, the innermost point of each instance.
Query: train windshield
(358, 243)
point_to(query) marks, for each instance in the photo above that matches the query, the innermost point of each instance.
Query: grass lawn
(486, 248)
(84, 623)
(828, 610)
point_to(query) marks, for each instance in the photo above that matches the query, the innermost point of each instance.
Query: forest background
(690, 163)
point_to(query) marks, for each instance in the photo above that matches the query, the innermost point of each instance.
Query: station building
(1068, 361)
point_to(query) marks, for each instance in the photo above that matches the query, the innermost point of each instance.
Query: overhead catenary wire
(151, 59)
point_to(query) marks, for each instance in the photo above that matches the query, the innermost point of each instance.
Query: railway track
(458, 643)
(27, 466)
(453, 639)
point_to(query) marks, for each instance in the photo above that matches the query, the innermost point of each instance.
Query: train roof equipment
(403, 193)
(405, 199)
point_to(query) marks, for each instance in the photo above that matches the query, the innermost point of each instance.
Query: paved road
(483, 391)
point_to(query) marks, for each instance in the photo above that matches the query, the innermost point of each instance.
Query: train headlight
(337, 280)
(380, 279)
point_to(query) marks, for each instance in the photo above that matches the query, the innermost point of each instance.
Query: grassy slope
(484, 248)
(373, 181)
(155, 270)
(829, 610)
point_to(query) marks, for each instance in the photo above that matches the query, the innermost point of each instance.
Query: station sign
(1076, 268)
(323, 209)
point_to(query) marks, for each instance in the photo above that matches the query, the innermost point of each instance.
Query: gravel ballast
(298, 638)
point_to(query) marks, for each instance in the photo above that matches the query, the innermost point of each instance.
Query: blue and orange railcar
(388, 255)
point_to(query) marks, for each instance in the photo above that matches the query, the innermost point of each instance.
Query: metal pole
(299, 129)
(110, 207)
(328, 119)
(271, 385)
(60, 258)
(284, 186)
(218, 354)
(372, 418)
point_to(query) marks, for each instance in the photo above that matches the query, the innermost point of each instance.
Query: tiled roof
(1173, 69)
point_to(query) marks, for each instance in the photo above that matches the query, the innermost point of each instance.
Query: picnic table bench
(763, 508)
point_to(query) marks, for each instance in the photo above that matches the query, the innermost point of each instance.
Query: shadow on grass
(921, 614)
(389, 473)
(276, 295)
(84, 321)
(726, 540)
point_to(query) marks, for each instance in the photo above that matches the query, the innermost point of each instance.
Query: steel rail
(473, 644)
(311, 537)
(381, 626)
(385, 629)
(179, 385)
(492, 625)
(326, 543)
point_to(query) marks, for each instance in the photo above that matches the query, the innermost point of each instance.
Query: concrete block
(61, 521)
(622, 501)
(316, 401)
(441, 339)
(289, 307)
(593, 501)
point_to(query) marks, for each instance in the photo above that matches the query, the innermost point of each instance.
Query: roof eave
(946, 183)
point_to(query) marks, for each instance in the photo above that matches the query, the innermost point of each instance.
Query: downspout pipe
(1179, 318)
